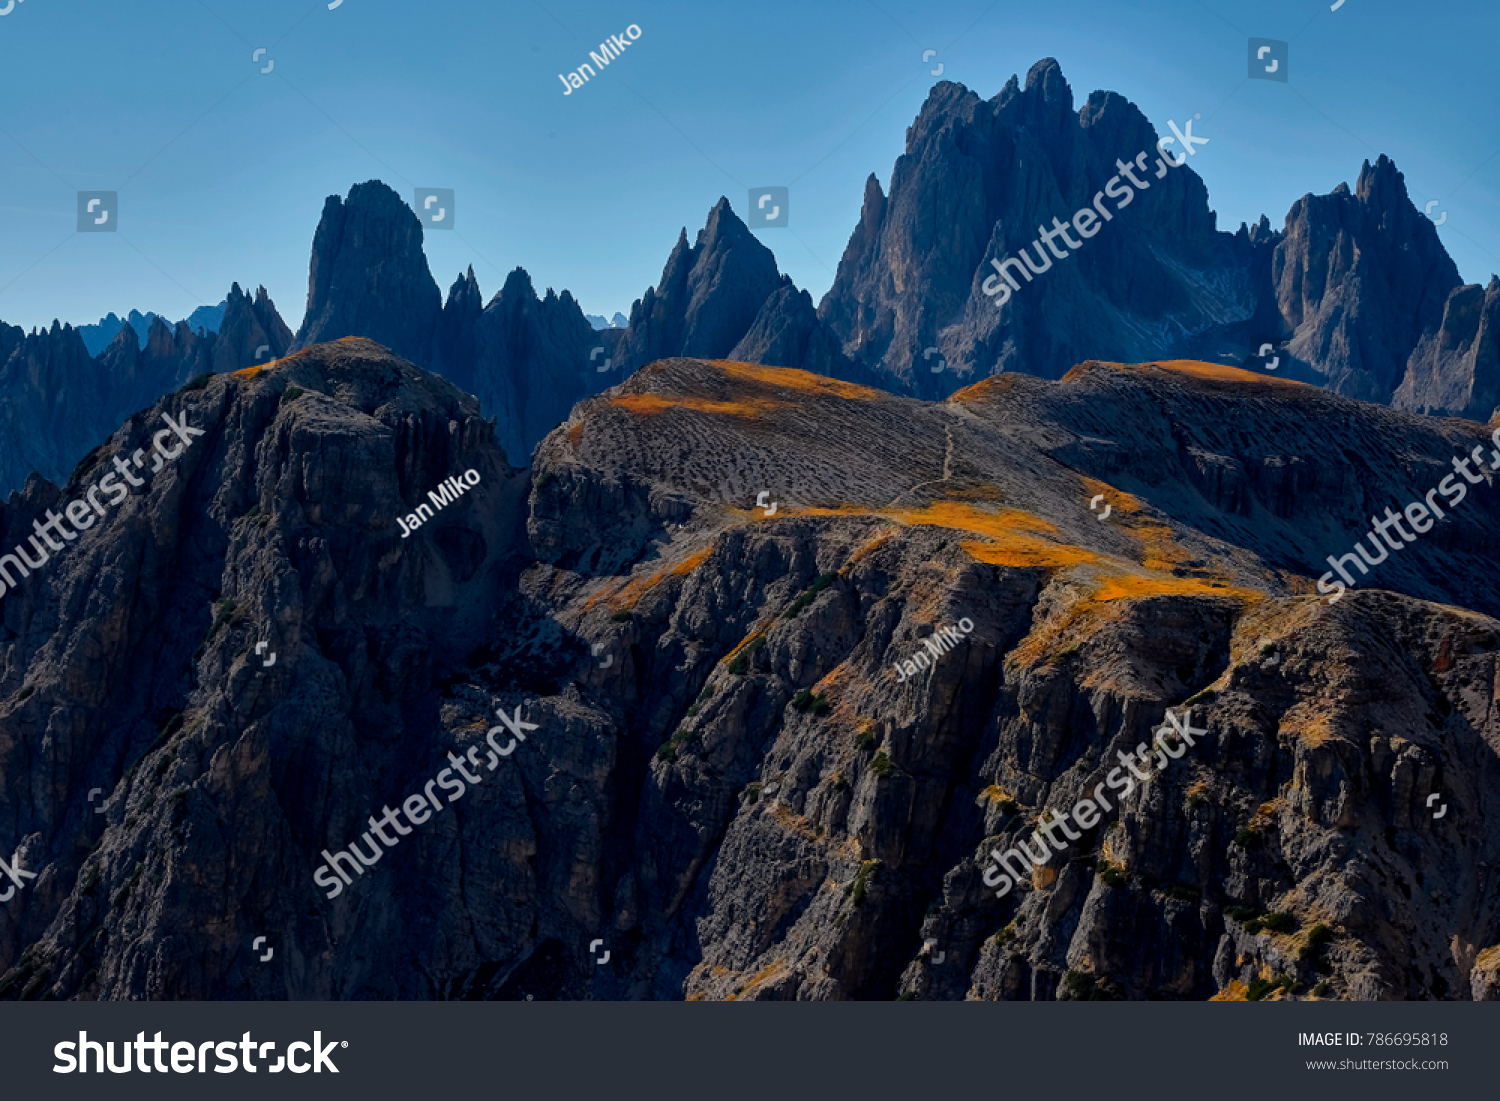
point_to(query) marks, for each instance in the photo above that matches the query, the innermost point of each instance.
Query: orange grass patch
(649, 404)
(625, 596)
(985, 388)
(1210, 372)
(805, 382)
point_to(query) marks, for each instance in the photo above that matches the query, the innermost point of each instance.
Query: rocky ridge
(728, 781)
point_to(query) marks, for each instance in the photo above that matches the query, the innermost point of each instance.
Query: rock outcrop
(369, 276)
(734, 771)
(1360, 277)
(1455, 370)
(976, 182)
(708, 297)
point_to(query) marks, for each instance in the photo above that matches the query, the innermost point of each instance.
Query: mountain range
(1354, 293)
(700, 607)
(97, 337)
(749, 642)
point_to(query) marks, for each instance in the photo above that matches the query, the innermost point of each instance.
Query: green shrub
(1183, 893)
(865, 741)
(1241, 913)
(1322, 990)
(197, 382)
(292, 393)
(624, 615)
(223, 610)
(666, 752)
(1259, 988)
(1279, 922)
(542, 480)
(1113, 875)
(1202, 697)
(740, 665)
(1248, 840)
(856, 889)
(752, 794)
(708, 690)
(1197, 799)
(1318, 938)
(806, 701)
(795, 609)
(25, 693)
(882, 765)
(1079, 986)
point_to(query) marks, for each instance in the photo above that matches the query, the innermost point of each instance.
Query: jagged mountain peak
(369, 275)
(708, 297)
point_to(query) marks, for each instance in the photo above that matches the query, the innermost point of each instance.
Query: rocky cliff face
(369, 275)
(51, 412)
(533, 358)
(526, 358)
(1455, 370)
(733, 771)
(1360, 277)
(708, 297)
(978, 181)
(1347, 291)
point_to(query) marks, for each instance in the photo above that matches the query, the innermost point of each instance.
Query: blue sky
(222, 170)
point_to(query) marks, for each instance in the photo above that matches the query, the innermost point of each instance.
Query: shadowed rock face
(52, 410)
(1456, 370)
(708, 297)
(787, 331)
(532, 361)
(58, 402)
(1359, 278)
(729, 779)
(369, 275)
(976, 182)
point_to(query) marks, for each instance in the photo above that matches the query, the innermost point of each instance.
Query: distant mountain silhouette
(620, 321)
(1354, 293)
(97, 337)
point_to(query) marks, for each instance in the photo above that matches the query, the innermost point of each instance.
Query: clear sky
(222, 170)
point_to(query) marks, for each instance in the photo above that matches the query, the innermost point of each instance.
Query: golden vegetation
(786, 378)
(624, 597)
(984, 389)
(649, 404)
(1236, 991)
(1194, 368)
